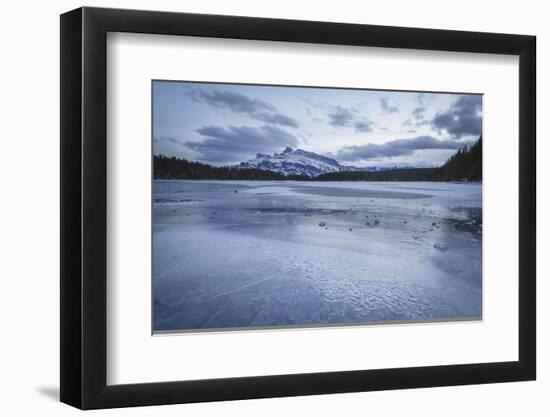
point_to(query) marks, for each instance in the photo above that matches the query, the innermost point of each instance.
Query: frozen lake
(234, 254)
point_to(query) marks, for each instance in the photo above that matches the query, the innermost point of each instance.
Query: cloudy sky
(223, 124)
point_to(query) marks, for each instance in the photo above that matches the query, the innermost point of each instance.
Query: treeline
(464, 165)
(404, 174)
(178, 169)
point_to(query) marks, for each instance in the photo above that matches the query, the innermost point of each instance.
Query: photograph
(297, 206)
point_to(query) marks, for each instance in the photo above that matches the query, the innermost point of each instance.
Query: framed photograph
(256, 208)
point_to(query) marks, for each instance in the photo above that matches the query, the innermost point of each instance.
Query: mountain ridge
(297, 162)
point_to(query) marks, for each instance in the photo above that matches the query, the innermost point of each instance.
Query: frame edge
(70, 218)
(527, 270)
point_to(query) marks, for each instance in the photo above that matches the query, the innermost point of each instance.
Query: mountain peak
(288, 149)
(294, 162)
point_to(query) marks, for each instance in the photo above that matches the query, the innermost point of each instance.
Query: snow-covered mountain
(296, 162)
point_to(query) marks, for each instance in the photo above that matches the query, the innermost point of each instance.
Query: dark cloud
(276, 119)
(386, 107)
(167, 139)
(462, 119)
(344, 117)
(239, 103)
(237, 143)
(397, 147)
(418, 112)
(231, 100)
(363, 127)
(407, 122)
(340, 116)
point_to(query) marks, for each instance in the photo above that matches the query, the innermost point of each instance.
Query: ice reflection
(253, 254)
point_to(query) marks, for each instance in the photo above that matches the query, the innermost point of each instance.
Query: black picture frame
(84, 207)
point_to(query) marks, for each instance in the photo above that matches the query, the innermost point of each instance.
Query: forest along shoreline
(464, 165)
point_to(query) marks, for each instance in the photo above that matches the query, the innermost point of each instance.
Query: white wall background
(29, 225)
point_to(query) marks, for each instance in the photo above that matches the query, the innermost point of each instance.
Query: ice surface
(283, 253)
